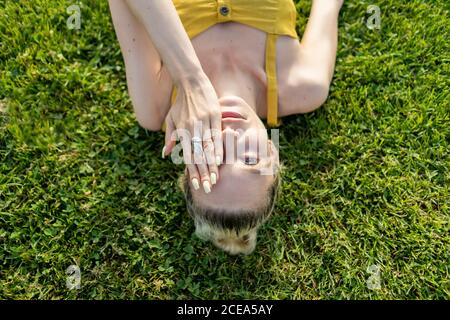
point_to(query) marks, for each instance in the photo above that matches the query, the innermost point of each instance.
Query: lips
(231, 114)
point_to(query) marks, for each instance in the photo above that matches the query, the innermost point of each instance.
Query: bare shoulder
(300, 89)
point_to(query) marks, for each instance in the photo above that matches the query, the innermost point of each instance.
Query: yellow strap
(272, 84)
(272, 88)
(163, 127)
(174, 95)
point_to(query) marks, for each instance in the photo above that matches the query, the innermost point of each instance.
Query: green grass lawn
(366, 178)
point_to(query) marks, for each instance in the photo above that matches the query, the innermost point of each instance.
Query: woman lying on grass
(208, 71)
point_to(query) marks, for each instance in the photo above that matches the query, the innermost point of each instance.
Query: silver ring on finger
(208, 144)
(197, 144)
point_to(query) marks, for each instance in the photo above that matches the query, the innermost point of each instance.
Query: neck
(230, 78)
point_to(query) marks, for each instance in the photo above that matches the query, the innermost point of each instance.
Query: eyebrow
(253, 170)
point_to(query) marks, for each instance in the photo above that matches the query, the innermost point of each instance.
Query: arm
(196, 98)
(319, 43)
(164, 27)
(307, 80)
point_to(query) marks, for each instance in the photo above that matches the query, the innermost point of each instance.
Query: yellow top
(275, 17)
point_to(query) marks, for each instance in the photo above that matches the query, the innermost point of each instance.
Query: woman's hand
(196, 110)
(196, 115)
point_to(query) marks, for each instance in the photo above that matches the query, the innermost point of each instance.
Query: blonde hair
(233, 232)
(231, 241)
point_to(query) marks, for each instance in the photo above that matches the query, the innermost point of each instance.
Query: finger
(194, 176)
(199, 155)
(208, 150)
(197, 129)
(170, 138)
(202, 168)
(216, 133)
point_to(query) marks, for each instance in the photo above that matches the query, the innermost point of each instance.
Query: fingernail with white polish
(195, 184)
(218, 161)
(213, 178)
(163, 152)
(206, 186)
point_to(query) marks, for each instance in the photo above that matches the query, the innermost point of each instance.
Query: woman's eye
(251, 161)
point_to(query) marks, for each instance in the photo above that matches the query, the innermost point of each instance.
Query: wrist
(191, 77)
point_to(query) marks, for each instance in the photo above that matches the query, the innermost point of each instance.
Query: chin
(231, 100)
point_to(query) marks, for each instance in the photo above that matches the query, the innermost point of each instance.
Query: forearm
(319, 42)
(164, 27)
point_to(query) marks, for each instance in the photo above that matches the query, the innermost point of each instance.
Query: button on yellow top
(224, 10)
(275, 17)
(271, 16)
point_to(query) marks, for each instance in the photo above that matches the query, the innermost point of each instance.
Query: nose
(229, 131)
(229, 135)
(229, 138)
